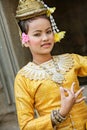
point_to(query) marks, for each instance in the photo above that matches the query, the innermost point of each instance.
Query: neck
(41, 59)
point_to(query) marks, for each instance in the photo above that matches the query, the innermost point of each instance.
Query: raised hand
(67, 102)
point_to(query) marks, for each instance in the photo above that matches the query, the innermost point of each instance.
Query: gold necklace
(56, 74)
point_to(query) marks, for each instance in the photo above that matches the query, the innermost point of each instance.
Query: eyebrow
(40, 30)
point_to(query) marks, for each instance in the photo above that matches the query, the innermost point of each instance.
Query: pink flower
(25, 38)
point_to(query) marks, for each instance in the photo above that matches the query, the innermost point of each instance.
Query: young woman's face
(41, 37)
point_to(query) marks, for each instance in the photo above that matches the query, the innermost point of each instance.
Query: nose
(45, 37)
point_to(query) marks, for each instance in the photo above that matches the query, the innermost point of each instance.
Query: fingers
(62, 93)
(63, 90)
(68, 92)
(72, 87)
(71, 94)
(71, 91)
(80, 100)
(79, 91)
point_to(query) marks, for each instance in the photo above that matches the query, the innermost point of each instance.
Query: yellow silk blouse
(36, 89)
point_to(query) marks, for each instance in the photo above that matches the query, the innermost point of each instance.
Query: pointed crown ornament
(29, 8)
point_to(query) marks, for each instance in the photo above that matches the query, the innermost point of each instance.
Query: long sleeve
(25, 109)
(81, 64)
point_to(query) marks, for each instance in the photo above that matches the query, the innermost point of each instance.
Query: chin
(46, 52)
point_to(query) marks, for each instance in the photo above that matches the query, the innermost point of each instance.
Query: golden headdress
(31, 8)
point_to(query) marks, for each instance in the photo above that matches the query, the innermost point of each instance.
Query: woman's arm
(25, 109)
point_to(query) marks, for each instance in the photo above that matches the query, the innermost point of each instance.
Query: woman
(49, 84)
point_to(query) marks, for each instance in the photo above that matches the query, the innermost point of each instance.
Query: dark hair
(24, 24)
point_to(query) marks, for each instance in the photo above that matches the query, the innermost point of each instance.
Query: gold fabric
(43, 95)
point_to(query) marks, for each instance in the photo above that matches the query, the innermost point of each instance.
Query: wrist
(62, 113)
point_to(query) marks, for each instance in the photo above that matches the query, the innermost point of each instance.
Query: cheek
(52, 37)
(34, 41)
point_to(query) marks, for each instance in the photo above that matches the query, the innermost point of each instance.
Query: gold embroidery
(36, 72)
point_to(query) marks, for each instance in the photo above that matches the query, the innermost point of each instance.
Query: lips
(46, 45)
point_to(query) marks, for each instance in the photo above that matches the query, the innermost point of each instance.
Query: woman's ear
(25, 40)
(26, 44)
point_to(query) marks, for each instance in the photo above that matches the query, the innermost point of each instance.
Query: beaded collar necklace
(56, 75)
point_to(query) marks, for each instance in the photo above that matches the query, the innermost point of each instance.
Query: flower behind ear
(25, 38)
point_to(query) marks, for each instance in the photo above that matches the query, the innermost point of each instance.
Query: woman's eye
(37, 34)
(49, 32)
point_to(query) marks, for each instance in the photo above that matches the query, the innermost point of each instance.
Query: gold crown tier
(29, 8)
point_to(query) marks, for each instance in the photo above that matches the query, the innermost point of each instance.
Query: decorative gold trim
(36, 72)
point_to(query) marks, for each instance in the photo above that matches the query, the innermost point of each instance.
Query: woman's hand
(67, 102)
